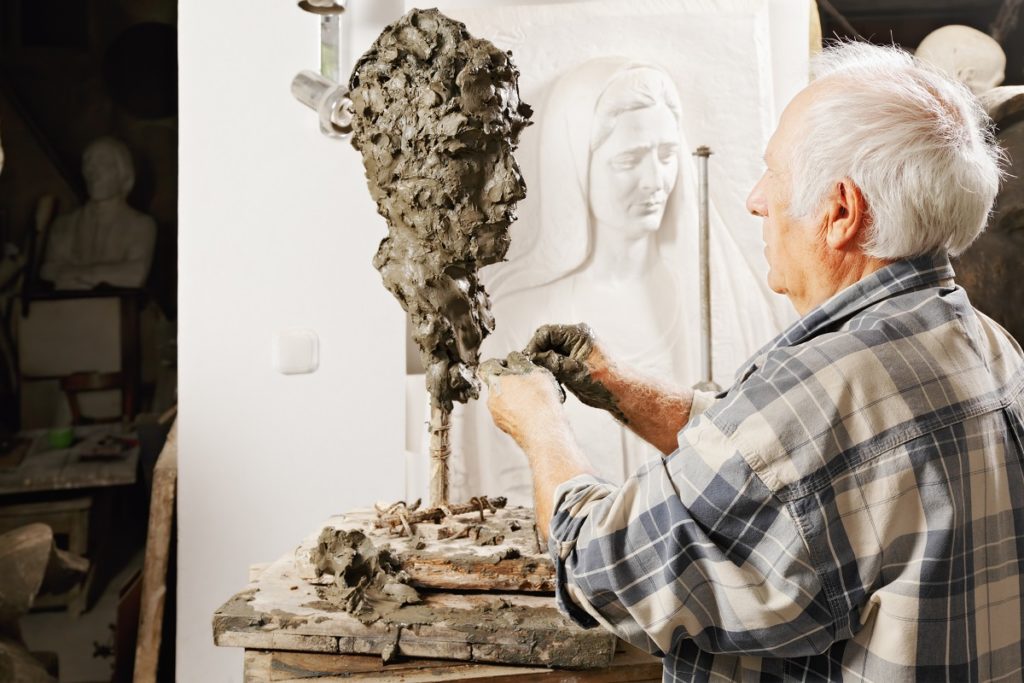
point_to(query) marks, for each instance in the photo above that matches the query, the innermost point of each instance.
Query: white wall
(276, 231)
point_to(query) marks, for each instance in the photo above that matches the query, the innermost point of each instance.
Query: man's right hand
(573, 354)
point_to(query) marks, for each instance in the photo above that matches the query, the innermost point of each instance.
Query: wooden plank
(629, 665)
(275, 640)
(154, 570)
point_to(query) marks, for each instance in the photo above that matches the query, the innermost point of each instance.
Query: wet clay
(361, 580)
(563, 350)
(437, 117)
(515, 363)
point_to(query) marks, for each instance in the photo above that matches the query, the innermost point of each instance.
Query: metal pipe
(328, 99)
(704, 239)
(324, 92)
(330, 46)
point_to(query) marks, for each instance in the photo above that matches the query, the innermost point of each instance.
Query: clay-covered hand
(574, 355)
(522, 396)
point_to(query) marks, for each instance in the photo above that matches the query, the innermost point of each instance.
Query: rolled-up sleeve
(692, 546)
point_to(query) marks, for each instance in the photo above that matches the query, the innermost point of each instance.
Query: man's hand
(525, 401)
(573, 354)
(523, 398)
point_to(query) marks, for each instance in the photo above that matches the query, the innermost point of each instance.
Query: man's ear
(847, 215)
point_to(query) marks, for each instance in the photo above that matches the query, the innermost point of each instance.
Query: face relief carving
(437, 117)
(633, 172)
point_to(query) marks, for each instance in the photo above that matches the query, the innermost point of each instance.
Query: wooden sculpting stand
(486, 604)
(440, 450)
(629, 666)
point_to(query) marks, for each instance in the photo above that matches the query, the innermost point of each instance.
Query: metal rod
(440, 449)
(330, 47)
(704, 239)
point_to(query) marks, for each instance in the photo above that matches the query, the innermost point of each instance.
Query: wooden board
(516, 562)
(262, 666)
(154, 570)
(58, 469)
(282, 611)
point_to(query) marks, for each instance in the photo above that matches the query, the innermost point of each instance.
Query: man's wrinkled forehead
(794, 119)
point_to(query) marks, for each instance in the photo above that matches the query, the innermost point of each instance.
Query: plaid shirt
(851, 509)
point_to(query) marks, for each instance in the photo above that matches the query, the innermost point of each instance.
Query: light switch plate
(296, 352)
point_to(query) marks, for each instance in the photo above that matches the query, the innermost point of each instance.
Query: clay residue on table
(437, 116)
(360, 578)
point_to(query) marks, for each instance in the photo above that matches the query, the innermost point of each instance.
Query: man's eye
(667, 153)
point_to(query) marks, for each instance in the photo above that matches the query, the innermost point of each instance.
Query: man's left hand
(523, 398)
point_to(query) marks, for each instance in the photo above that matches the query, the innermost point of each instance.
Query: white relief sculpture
(966, 54)
(106, 240)
(616, 248)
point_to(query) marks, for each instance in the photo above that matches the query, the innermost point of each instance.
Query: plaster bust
(105, 240)
(617, 249)
(968, 55)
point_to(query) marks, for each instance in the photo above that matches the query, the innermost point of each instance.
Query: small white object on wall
(296, 352)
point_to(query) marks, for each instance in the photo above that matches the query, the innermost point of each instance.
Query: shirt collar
(896, 278)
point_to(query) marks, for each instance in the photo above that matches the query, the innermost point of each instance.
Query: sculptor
(437, 117)
(850, 508)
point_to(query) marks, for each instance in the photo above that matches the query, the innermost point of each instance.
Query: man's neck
(843, 272)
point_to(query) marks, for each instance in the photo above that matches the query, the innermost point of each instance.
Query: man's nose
(756, 203)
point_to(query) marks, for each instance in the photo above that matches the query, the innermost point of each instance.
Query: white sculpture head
(107, 169)
(634, 153)
(966, 54)
(612, 154)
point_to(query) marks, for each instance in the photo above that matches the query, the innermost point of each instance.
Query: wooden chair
(79, 382)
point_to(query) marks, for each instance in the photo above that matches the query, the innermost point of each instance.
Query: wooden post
(440, 449)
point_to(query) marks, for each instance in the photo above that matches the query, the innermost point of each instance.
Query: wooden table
(62, 469)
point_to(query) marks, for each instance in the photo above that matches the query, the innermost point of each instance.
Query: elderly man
(852, 508)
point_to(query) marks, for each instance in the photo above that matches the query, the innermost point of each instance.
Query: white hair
(918, 145)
